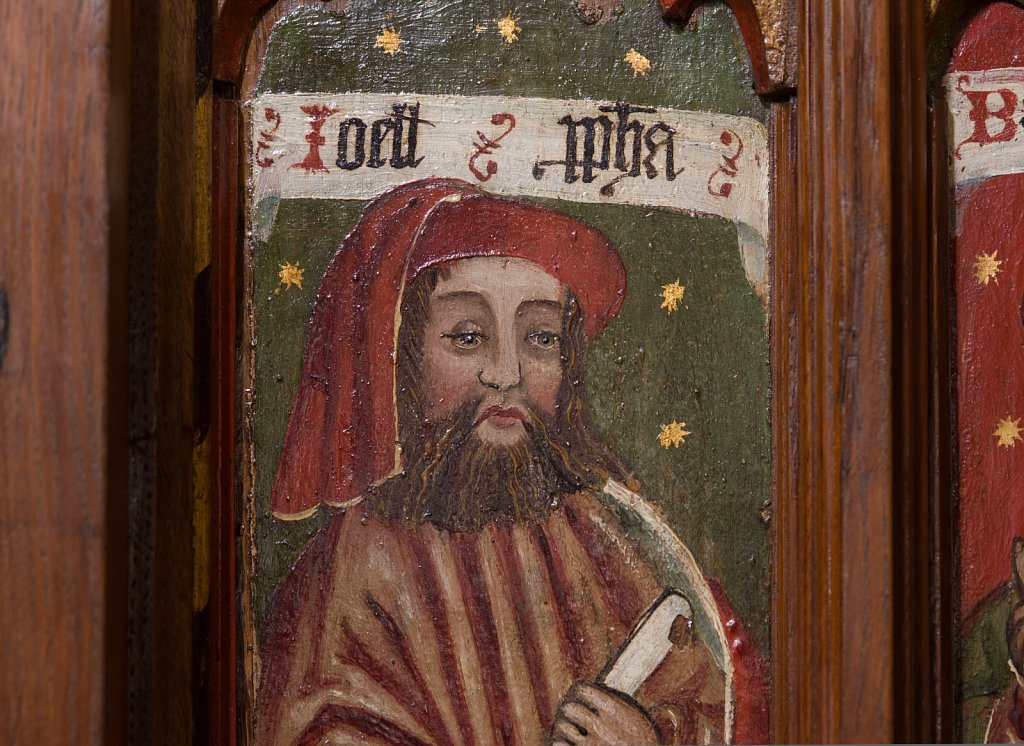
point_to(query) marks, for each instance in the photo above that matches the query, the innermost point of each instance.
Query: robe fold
(1006, 724)
(385, 633)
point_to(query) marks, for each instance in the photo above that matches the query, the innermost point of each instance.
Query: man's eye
(544, 340)
(466, 340)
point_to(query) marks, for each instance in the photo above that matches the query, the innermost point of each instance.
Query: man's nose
(502, 369)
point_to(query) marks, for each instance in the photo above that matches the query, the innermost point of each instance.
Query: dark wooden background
(104, 373)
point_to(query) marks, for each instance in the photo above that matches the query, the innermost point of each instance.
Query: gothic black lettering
(588, 163)
(623, 128)
(360, 144)
(667, 142)
(631, 136)
(401, 128)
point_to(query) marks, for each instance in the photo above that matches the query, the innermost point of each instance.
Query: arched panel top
(767, 27)
(979, 49)
(236, 21)
(948, 21)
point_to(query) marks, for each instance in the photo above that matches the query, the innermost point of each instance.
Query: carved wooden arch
(235, 23)
(759, 20)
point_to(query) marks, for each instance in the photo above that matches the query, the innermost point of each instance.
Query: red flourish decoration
(317, 114)
(980, 114)
(728, 165)
(487, 146)
(267, 136)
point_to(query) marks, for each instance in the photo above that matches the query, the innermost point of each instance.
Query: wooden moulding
(765, 26)
(852, 650)
(942, 315)
(946, 19)
(232, 31)
(163, 374)
(225, 297)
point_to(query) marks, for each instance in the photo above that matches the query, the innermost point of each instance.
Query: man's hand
(591, 715)
(1015, 624)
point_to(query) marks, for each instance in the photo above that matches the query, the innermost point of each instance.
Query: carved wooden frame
(860, 353)
(854, 346)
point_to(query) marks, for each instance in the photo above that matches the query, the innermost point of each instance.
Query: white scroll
(651, 640)
(357, 145)
(986, 111)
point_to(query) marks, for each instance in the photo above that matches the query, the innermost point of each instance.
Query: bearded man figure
(489, 556)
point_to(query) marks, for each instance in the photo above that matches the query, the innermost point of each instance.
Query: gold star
(1008, 431)
(389, 40)
(671, 295)
(673, 434)
(509, 29)
(638, 62)
(291, 274)
(986, 267)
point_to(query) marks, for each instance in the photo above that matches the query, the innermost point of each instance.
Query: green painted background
(984, 673)
(706, 364)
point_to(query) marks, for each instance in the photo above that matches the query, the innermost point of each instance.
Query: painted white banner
(987, 117)
(357, 145)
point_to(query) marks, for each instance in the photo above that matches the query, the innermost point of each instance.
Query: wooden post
(164, 367)
(852, 564)
(64, 81)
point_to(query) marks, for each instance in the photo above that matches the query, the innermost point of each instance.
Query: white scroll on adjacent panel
(986, 109)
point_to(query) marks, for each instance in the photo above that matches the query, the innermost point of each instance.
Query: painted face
(493, 334)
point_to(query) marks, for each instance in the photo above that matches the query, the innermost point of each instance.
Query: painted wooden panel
(984, 86)
(505, 386)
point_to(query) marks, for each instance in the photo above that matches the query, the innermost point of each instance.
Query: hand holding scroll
(593, 715)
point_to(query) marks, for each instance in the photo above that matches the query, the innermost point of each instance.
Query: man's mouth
(503, 416)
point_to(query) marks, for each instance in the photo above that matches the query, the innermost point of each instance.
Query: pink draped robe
(391, 634)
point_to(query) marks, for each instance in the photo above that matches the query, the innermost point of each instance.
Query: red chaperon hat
(343, 435)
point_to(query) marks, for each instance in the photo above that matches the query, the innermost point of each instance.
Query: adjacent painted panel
(984, 85)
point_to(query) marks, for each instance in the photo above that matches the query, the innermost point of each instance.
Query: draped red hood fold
(342, 435)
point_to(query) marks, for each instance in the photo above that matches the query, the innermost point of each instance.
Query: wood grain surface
(63, 409)
(853, 534)
(162, 378)
(223, 666)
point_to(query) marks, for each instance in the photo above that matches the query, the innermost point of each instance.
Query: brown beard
(455, 480)
(459, 482)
